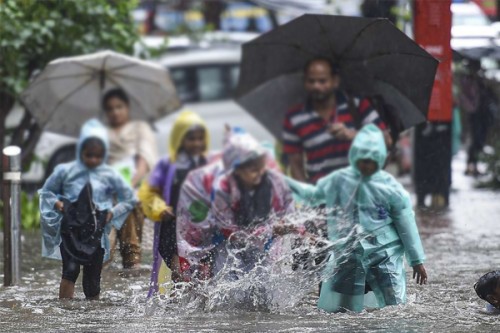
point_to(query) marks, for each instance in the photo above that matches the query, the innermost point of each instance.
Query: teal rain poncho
(68, 180)
(372, 225)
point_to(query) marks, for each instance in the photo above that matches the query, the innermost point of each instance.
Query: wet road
(460, 244)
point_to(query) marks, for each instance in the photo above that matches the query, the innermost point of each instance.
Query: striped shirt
(307, 132)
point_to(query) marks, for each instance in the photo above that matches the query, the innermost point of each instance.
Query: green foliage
(32, 33)
(153, 52)
(30, 212)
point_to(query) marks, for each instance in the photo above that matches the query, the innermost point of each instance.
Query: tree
(32, 33)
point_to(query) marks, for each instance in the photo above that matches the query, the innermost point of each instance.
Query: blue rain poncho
(68, 180)
(372, 224)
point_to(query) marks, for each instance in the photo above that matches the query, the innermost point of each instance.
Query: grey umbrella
(69, 90)
(375, 59)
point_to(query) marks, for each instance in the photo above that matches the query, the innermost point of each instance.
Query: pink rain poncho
(234, 209)
(194, 232)
(197, 236)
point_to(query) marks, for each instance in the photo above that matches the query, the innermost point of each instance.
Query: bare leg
(66, 289)
(176, 269)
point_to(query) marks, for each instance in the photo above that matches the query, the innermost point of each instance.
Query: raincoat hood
(182, 125)
(239, 148)
(369, 143)
(93, 128)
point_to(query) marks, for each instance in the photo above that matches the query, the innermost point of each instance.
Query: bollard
(11, 197)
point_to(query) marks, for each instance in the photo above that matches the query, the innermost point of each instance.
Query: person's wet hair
(334, 68)
(487, 284)
(115, 93)
(91, 143)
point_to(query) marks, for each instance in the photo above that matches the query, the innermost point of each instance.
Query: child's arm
(125, 201)
(288, 200)
(50, 205)
(153, 205)
(306, 193)
(404, 221)
(420, 274)
(50, 216)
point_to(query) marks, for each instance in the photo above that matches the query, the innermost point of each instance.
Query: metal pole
(11, 197)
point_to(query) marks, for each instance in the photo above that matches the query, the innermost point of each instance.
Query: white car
(471, 27)
(205, 80)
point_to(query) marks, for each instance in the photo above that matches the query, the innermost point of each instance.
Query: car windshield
(203, 83)
(470, 20)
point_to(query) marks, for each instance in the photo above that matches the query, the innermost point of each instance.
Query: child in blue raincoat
(91, 188)
(372, 226)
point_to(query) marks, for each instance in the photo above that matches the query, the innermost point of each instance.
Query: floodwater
(461, 244)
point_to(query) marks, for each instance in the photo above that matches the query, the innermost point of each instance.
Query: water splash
(275, 280)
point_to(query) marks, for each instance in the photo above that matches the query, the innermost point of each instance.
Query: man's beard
(320, 97)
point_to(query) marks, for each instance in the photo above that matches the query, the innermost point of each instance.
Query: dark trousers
(479, 124)
(91, 281)
(432, 160)
(168, 241)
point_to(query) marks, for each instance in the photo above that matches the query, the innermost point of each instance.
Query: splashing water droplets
(276, 279)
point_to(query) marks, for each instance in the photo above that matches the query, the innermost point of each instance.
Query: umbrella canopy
(310, 6)
(375, 59)
(477, 53)
(69, 90)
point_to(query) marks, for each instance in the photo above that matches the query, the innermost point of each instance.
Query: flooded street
(461, 245)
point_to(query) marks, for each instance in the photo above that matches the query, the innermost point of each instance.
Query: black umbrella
(375, 59)
(477, 53)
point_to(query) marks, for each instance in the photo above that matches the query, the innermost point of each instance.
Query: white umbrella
(69, 90)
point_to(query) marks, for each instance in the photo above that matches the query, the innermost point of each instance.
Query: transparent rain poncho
(270, 202)
(196, 236)
(372, 224)
(68, 180)
(195, 233)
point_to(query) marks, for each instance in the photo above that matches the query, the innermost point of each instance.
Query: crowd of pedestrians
(201, 201)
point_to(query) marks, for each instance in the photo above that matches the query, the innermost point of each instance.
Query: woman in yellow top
(188, 146)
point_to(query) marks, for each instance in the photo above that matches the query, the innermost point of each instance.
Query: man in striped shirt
(321, 130)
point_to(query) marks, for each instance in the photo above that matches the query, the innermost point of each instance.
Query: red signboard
(432, 20)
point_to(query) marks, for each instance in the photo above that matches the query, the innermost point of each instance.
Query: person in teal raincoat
(372, 226)
(65, 184)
